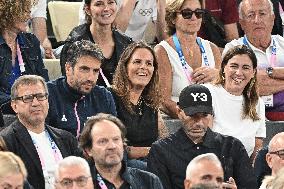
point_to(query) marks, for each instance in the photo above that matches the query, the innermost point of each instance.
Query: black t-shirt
(141, 126)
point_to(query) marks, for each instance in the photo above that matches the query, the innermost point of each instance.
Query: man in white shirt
(256, 19)
(40, 146)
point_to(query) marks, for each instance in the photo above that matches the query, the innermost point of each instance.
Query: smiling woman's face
(140, 68)
(102, 12)
(238, 72)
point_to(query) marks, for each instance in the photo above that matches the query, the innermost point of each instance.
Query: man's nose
(35, 101)
(257, 18)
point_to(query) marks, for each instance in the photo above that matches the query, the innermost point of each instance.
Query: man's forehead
(73, 170)
(105, 128)
(255, 5)
(25, 88)
(277, 143)
(88, 58)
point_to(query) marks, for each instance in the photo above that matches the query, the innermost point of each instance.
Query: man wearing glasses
(275, 155)
(40, 146)
(73, 171)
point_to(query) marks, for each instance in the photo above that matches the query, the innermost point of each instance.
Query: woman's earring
(251, 83)
(223, 77)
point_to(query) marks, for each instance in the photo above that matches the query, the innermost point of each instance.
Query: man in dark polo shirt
(169, 157)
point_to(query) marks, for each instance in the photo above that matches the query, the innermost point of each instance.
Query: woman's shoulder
(79, 32)
(120, 36)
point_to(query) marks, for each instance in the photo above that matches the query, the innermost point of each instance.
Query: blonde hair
(11, 163)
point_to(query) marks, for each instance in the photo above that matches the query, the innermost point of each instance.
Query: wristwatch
(269, 71)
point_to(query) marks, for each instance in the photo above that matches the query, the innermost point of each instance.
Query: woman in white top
(239, 111)
(184, 58)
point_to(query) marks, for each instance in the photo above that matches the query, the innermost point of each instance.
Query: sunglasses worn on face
(187, 13)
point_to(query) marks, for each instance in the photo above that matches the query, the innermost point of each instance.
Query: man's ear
(87, 153)
(268, 158)
(14, 106)
(186, 183)
(68, 68)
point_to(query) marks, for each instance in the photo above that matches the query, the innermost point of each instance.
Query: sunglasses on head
(187, 13)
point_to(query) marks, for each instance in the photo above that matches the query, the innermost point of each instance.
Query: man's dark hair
(81, 48)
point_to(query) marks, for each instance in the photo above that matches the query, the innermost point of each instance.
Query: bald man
(274, 158)
(275, 155)
(207, 169)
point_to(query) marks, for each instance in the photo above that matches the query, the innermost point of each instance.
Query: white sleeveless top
(180, 80)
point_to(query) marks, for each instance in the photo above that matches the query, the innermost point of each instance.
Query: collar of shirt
(124, 175)
(188, 143)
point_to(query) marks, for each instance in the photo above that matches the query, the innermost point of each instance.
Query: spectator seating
(64, 17)
(53, 67)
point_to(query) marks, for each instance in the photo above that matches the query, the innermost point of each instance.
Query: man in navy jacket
(75, 97)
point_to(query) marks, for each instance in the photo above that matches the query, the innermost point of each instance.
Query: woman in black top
(100, 15)
(136, 94)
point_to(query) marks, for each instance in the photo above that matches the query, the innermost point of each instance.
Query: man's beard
(77, 86)
(35, 122)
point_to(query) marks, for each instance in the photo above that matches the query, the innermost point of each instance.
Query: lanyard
(20, 58)
(102, 184)
(184, 64)
(77, 118)
(56, 152)
(273, 50)
(104, 78)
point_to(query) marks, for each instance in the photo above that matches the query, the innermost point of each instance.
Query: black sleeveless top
(141, 126)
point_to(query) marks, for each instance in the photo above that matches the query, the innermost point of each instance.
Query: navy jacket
(63, 99)
(30, 49)
(19, 141)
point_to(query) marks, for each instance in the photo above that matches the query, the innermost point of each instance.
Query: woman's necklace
(190, 52)
(139, 105)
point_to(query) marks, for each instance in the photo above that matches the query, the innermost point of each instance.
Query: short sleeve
(39, 10)
(261, 132)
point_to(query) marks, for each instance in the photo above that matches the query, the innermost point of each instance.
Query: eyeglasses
(280, 153)
(30, 98)
(80, 181)
(187, 13)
